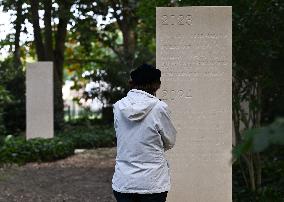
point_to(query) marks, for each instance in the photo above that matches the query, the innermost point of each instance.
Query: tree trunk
(45, 51)
(127, 25)
(129, 45)
(37, 31)
(249, 161)
(48, 30)
(258, 167)
(58, 101)
(19, 21)
(258, 164)
(58, 64)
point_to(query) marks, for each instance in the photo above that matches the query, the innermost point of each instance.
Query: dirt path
(84, 177)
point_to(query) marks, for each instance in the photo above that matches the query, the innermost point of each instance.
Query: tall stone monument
(39, 100)
(194, 53)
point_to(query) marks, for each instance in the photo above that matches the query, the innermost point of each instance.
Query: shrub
(20, 151)
(86, 138)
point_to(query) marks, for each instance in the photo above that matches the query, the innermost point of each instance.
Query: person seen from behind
(144, 131)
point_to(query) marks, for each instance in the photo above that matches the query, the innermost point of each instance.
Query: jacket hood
(137, 104)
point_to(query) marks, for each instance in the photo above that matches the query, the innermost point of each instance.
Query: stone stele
(39, 100)
(194, 53)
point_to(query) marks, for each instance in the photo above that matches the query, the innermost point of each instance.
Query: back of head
(146, 77)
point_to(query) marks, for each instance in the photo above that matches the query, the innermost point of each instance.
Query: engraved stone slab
(194, 53)
(39, 100)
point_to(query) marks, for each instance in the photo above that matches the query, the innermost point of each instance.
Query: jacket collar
(142, 92)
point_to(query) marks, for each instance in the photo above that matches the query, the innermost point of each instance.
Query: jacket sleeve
(166, 128)
(115, 121)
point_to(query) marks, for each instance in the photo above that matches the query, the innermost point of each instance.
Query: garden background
(94, 45)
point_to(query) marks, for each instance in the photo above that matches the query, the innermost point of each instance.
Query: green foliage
(147, 13)
(258, 44)
(259, 139)
(12, 97)
(5, 96)
(86, 138)
(4, 99)
(20, 151)
(111, 51)
(272, 188)
(268, 140)
(266, 194)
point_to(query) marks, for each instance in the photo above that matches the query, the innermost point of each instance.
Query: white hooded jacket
(144, 132)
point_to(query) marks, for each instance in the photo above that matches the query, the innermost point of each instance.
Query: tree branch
(117, 17)
(120, 57)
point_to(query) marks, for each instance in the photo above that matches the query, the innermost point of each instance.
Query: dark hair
(145, 74)
(146, 77)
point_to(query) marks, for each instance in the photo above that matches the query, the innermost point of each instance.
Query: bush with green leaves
(12, 97)
(20, 151)
(86, 139)
(259, 139)
(4, 100)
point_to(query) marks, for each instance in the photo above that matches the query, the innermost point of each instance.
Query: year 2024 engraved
(176, 20)
(176, 94)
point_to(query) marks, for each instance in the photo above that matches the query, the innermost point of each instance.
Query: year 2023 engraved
(176, 20)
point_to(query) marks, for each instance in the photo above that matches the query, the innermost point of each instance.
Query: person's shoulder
(114, 105)
(161, 103)
(161, 106)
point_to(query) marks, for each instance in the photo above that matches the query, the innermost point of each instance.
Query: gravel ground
(84, 177)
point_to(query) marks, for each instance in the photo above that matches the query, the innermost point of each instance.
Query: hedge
(20, 151)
